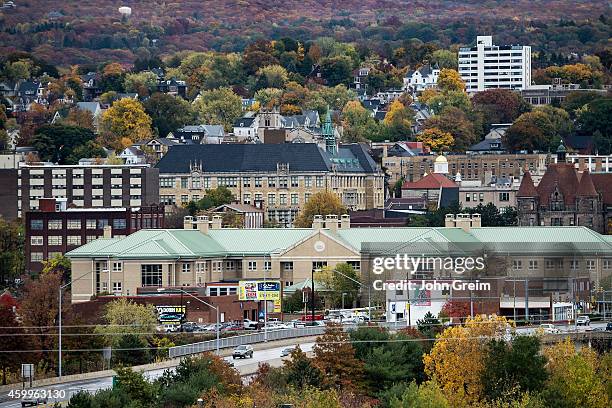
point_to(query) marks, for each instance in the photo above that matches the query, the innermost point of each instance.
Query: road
(70, 388)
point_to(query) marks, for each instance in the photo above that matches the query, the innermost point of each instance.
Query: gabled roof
(239, 207)
(429, 182)
(562, 177)
(603, 184)
(244, 122)
(93, 107)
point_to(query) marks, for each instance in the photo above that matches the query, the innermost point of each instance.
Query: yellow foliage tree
(427, 94)
(449, 80)
(126, 118)
(575, 377)
(436, 139)
(321, 203)
(397, 113)
(456, 361)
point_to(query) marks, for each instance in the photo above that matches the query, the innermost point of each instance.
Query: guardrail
(234, 341)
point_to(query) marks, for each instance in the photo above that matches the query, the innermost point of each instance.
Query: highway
(244, 366)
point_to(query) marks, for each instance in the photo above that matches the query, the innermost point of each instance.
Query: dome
(441, 159)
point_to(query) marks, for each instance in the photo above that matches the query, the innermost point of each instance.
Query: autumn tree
(398, 121)
(336, 70)
(271, 76)
(444, 59)
(454, 121)
(341, 281)
(575, 379)
(320, 203)
(441, 100)
(426, 395)
(358, 123)
(124, 123)
(335, 357)
(123, 317)
(10, 361)
(142, 83)
(531, 131)
(300, 371)
(58, 264)
(168, 113)
(450, 80)
(499, 105)
(12, 249)
(219, 107)
(436, 139)
(457, 359)
(269, 97)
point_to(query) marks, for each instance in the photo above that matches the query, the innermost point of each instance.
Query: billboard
(257, 290)
(170, 314)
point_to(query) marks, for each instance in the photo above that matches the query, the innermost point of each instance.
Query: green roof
(192, 244)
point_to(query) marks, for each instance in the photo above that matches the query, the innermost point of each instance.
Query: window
(184, 182)
(222, 291)
(252, 265)
(294, 181)
(590, 264)
(117, 266)
(356, 265)
(73, 240)
(308, 181)
(550, 264)
(54, 224)
(246, 198)
(283, 199)
(117, 286)
(206, 181)
(151, 275)
(229, 265)
(119, 223)
(196, 182)
(36, 256)
(257, 181)
(467, 197)
(166, 182)
(246, 182)
(36, 224)
(54, 254)
(533, 264)
(74, 224)
(504, 196)
(319, 181)
(217, 266)
(186, 268)
(184, 198)
(319, 265)
(91, 238)
(200, 267)
(267, 266)
(36, 240)
(55, 240)
(102, 222)
(306, 197)
(282, 182)
(271, 181)
(213, 291)
(227, 181)
(271, 199)
(294, 199)
(574, 264)
(287, 266)
(517, 264)
(607, 263)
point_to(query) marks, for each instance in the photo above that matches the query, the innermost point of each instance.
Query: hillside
(92, 30)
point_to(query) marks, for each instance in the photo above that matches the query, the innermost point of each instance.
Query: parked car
(287, 351)
(243, 351)
(549, 328)
(249, 324)
(583, 321)
(32, 402)
(609, 326)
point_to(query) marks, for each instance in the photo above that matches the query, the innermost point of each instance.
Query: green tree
(337, 70)
(58, 264)
(300, 371)
(142, 83)
(320, 203)
(444, 59)
(89, 149)
(575, 101)
(358, 124)
(216, 197)
(168, 113)
(341, 280)
(426, 395)
(512, 369)
(441, 100)
(12, 249)
(597, 117)
(219, 107)
(56, 143)
(127, 317)
(271, 76)
(131, 350)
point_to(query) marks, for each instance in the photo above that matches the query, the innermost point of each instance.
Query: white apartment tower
(492, 66)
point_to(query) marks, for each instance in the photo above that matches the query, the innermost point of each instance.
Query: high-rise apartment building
(495, 66)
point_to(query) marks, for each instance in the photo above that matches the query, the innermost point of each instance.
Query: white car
(583, 321)
(549, 328)
(243, 351)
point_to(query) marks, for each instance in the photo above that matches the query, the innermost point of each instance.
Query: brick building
(55, 229)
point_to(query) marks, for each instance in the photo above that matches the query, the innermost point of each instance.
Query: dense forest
(91, 31)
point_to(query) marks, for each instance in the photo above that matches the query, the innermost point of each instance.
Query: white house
(423, 78)
(246, 126)
(133, 155)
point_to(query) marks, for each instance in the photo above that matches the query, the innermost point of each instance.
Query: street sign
(27, 371)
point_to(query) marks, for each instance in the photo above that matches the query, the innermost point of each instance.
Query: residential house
(199, 134)
(247, 126)
(493, 141)
(422, 78)
(133, 155)
(436, 188)
(173, 87)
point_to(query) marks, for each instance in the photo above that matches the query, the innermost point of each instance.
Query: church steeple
(327, 131)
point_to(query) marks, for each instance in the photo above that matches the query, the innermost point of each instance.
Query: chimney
(108, 232)
(463, 221)
(476, 221)
(331, 222)
(449, 221)
(317, 222)
(202, 224)
(217, 221)
(188, 222)
(345, 221)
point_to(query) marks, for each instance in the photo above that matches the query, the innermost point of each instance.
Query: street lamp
(360, 284)
(59, 318)
(201, 301)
